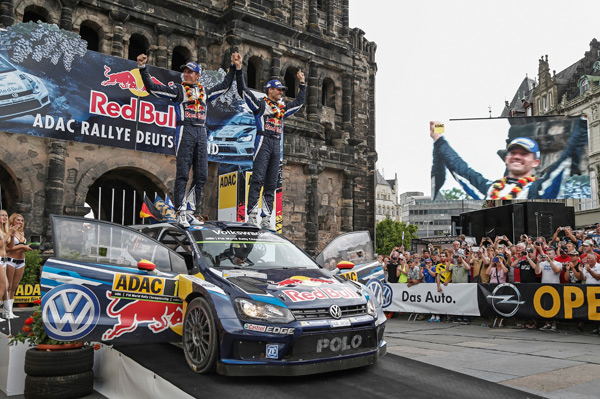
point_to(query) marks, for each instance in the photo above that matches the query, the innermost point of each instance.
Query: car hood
(11, 83)
(297, 288)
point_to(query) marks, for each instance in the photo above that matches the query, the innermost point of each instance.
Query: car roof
(211, 225)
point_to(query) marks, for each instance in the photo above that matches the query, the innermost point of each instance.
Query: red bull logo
(310, 281)
(125, 79)
(160, 316)
(320, 293)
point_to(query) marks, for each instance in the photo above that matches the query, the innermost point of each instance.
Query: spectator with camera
(497, 272)
(444, 275)
(526, 266)
(587, 247)
(392, 267)
(479, 266)
(550, 270)
(402, 269)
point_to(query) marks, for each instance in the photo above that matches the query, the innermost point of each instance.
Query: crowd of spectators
(569, 256)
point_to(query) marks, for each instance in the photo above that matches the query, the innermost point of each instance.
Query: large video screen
(511, 158)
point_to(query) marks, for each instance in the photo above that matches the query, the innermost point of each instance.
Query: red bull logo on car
(159, 316)
(320, 293)
(297, 280)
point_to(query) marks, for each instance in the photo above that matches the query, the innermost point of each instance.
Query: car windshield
(250, 249)
(5, 66)
(355, 247)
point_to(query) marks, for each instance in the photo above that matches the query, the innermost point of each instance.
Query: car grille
(19, 107)
(317, 346)
(20, 94)
(323, 313)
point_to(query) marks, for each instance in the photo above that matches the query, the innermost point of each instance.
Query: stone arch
(21, 180)
(335, 78)
(180, 55)
(291, 81)
(153, 170)
(50, 11)
(135, 44)
(182, 45)
(144, 32)
(328, 93)
(100, 24)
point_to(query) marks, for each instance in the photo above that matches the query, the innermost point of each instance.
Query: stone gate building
(329, 147)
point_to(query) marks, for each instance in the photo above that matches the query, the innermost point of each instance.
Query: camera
(523, 253)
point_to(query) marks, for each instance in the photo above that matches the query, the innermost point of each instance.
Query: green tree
(454, 194)
(389, 233)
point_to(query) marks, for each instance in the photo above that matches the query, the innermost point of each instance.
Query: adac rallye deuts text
(242, 301)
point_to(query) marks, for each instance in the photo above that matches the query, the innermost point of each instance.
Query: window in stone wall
(35, 13)
(328, 93)
(90, 35)
(290, 82)
(253, 73)
(138, 44)
(550, 100)
(180, 57)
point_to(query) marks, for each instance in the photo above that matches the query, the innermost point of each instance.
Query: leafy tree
(388, 234)
(454, 194)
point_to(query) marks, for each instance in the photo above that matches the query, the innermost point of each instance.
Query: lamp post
(427, 221)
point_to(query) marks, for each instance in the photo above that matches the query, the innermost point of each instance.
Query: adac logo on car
(140, 284)
(70, 312)
(298, 280)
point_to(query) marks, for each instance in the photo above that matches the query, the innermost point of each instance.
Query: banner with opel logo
(522, 301)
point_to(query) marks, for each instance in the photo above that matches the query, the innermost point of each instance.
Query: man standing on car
(191, 99)
(269, 114)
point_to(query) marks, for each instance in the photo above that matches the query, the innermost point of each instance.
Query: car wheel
(200, 337)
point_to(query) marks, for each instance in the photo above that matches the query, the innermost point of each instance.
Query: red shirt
(564, 260)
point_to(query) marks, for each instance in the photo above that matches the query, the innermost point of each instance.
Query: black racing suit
(548, 186)
(267, 144)
(191, 130)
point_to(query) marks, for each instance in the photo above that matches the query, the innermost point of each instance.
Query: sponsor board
(27, 293)
(340, 323)
(272, 351)
(149, 288)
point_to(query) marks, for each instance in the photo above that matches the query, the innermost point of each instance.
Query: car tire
(56, 363)
(59, 387)
(200, 337)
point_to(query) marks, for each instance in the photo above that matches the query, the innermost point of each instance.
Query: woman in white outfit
(16, 261)
(5, 244)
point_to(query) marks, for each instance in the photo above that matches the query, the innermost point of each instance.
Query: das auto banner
(455, 299)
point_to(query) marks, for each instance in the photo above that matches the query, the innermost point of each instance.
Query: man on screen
(522, 157)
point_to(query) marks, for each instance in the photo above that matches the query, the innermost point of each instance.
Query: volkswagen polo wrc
(242, 301)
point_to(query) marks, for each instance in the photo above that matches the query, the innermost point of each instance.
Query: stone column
(66, 14)
(312, 208)
(313, 17)
(312, 88)
(347, 79)
(119, 18)
(347, 201)
(162, 55)
(345, 18)
(276, 10)
(7, 13)
(275, 64)
(297, 13)
(330, 19)
(55, 183)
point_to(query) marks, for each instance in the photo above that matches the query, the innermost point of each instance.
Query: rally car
(20, 92)
(241, 300)
(352, 255)
(235, 141)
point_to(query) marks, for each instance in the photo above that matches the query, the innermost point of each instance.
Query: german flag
(149, 210)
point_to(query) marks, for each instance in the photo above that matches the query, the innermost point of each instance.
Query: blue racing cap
(274, 84)
(192, 66)
(527, 144)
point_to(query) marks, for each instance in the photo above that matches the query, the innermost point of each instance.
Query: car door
(92, 288)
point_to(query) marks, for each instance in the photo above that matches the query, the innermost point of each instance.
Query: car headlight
(244, 139)
(371, 308)
(249, 309)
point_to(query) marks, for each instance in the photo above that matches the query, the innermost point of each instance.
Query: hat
(527, 144)
(275, 84)
(588, 242)
(573, 252)
(428, 260)
(192, 66)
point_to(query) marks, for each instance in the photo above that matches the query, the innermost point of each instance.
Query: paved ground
(562, 364)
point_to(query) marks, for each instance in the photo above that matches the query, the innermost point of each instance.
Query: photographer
(392, 267)
(402, 269)
(479, 266)
(526, 266)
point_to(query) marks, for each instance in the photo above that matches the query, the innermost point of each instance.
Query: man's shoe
(546, 327)
(192, 219)
(437, 319)
(252, 218)
(595, 331)
(432, 319)
(265, 224)
(553, 328)
(182, 219)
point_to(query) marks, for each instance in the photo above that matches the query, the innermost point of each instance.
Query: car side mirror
(146, 265)
(345, 265)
